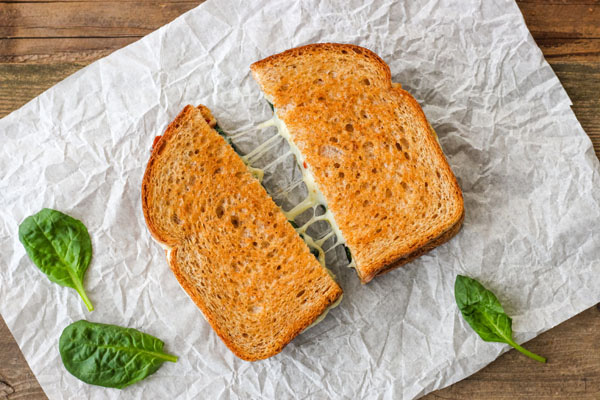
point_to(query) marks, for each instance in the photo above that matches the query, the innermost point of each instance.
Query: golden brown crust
(365, 139)
(231, 248)
(159, 236)
(443, 238)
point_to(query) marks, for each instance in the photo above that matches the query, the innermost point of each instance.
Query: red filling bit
(156, 140)
(305, 166)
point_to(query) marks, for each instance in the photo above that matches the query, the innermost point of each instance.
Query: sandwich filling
(314, 199)
(280, 166)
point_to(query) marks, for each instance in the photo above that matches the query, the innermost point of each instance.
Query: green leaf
(271, 106)
(484, 313)
(348, 254)
(60, 246)
(109, 355)
(219, 130)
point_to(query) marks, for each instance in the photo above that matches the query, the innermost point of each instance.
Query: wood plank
(60, 50)
(568, 20)
(85, 19)
(16, 379)
(582, 83)
(553, 2)
(581, 50)
(79, 44)
(20, 83)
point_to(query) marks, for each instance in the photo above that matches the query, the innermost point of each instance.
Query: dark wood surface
(42, 42)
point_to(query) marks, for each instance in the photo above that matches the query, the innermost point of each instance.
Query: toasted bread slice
(370, 149)
(230, 247)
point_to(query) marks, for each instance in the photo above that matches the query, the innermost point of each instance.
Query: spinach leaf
(60, 246)
(315, 252)
(271, 106)
(109, 355)
(348, 254)
(219, 130)
(484, 313)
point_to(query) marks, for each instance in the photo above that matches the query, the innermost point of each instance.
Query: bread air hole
(219, 210)
(404, 143)
(300, 293)
(349, 128)
(366, 82)
(235, 221)
(406, 155)
(388, 193)
(398, 147)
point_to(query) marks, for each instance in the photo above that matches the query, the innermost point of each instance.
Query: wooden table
(42, 42)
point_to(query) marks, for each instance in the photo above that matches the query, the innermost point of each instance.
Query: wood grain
(77, 19)
(42, 42)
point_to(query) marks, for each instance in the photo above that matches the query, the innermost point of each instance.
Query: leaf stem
(527, 352)
(81, 291)
(170, 358)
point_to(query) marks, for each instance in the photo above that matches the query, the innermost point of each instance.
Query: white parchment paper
(527, 169)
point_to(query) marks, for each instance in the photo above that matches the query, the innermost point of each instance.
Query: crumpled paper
(528, 172)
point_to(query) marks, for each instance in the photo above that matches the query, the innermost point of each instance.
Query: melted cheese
(314, 198)
(324, 313)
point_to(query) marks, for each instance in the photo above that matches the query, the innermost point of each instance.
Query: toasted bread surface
(229, 245)
(370, 148)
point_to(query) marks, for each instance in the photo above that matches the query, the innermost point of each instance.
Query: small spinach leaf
(60, 246)
(315, 252)
(219, 130)
(271, 106)
(109, 355)
(484, 313)
(348, 254)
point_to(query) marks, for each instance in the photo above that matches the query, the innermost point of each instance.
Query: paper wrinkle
(527, 169)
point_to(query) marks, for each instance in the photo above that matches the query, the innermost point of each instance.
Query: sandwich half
(228, 244)
(369, 148)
